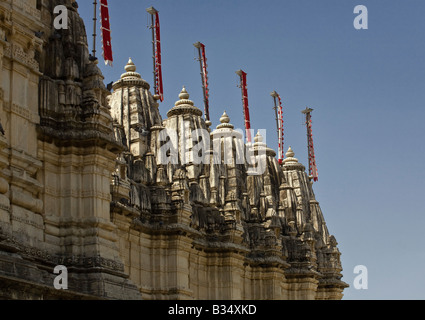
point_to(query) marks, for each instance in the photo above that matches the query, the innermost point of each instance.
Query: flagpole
(94, 28)
(199, 45)
(152, 11)
(275, 95)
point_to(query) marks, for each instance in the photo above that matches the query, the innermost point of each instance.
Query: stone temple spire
(185, 119)
(134, 109)
(290, 162)
(132, 75)
(130, 67)
(259, 143)
(184, 106)
(290, 155)
(184, 95)
(225, 122)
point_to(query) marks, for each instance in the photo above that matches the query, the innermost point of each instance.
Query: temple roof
(131, 77)
(184, 106)
(292, 163)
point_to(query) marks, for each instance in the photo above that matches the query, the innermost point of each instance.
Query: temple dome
(184, 106)
(131, 77)
(225, 122)
(258, 143)
(290, 162)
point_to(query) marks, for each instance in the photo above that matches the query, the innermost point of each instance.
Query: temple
(83, 184)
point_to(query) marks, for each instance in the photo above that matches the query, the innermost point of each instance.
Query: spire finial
(225, 122)
(258, 138)
(130, 71)
(225, 118)
(130, 67)
(183, 94)
(290, 160)
(290, 153)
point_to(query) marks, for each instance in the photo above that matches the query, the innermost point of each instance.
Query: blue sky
(367, 89)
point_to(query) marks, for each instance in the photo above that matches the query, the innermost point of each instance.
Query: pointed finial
(290, 153)
(225, 122)
(290, 161)
(184, 104)
(258, 138)
(225, 118)
(130, 67)
(183, 94)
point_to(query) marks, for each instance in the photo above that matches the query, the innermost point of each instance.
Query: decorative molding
(15, 52)
(25, 6)
(7, 51)
(4, 186)
(26, 221)
(2, 36)
(22, 57)
(73, 261)
(28, 202)
(77, 193)
(21, 111)
(6, 106)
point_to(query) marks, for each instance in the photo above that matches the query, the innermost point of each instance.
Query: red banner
(158, 59)
(312, 158)
(106, 32)
(246, 106)
(281, 131)
(205, 80)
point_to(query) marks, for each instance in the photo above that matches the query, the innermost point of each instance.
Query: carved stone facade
(82, 185)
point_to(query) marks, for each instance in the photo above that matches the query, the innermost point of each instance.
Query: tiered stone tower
(221, 232)
(83, 184)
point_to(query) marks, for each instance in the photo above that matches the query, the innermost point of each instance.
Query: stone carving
(90, 192)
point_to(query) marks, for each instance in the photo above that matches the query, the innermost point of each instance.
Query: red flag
(312, 159)
(246, 106)
(158, 59)
(106, 32)
(281, 130)
(205, 80)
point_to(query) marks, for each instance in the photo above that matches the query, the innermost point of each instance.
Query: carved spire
(290, 162)
(130, 78)
(184, 105)
(185, 96)
(259, 143)
(225, 122)
(224, 118)
(130, 67)
(259, 138)
(290, 157)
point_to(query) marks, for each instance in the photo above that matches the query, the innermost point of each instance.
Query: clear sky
(367, 89)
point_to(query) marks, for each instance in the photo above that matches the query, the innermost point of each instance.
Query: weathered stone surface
(82, 185)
